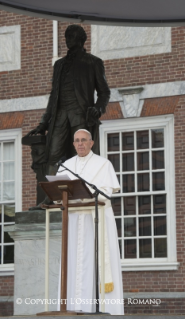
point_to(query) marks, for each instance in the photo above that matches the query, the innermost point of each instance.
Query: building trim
(153, 266)
(6, 298)
(10, 41)
(24, 104)
(149, 91)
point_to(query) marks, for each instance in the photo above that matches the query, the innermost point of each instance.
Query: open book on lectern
(53, 178)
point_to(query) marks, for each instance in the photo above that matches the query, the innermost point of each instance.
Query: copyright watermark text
(78, 301)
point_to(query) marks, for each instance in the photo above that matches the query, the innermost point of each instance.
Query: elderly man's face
(82, 143)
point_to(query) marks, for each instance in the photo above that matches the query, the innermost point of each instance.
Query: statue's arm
(43, 125)
(103, 91)
(103, 94)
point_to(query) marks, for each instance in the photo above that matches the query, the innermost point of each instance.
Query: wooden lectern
(65, 190)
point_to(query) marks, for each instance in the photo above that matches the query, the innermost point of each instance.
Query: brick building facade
(145, 71)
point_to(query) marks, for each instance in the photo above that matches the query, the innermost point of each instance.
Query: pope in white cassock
(80, 277)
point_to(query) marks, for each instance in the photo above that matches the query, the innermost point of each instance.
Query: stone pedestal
(29, 236)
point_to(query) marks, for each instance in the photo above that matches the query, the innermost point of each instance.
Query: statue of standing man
(71, 104)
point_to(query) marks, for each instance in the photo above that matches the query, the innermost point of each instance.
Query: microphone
(62, 160)
(59, 163)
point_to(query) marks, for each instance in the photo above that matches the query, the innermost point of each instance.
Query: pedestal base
(29, 236)
(71, 313)
(57, 313)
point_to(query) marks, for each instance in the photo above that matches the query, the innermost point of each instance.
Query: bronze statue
(71, 104)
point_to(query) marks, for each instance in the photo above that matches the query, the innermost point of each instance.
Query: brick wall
(155, 68)
(6, 308)
(31, 119)
(154, 306)
(6, 286)
(35, 75)
(6, 289)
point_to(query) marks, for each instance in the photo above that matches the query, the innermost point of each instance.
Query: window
(10, 191)
(142, 153)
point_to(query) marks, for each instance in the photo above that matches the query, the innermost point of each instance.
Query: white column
(55, 41)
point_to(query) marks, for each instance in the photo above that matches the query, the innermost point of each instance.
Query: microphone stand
(96, 220)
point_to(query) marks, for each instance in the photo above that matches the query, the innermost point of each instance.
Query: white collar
(85, 158)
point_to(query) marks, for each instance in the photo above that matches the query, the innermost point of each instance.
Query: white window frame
(166, 122)
(15, 136)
